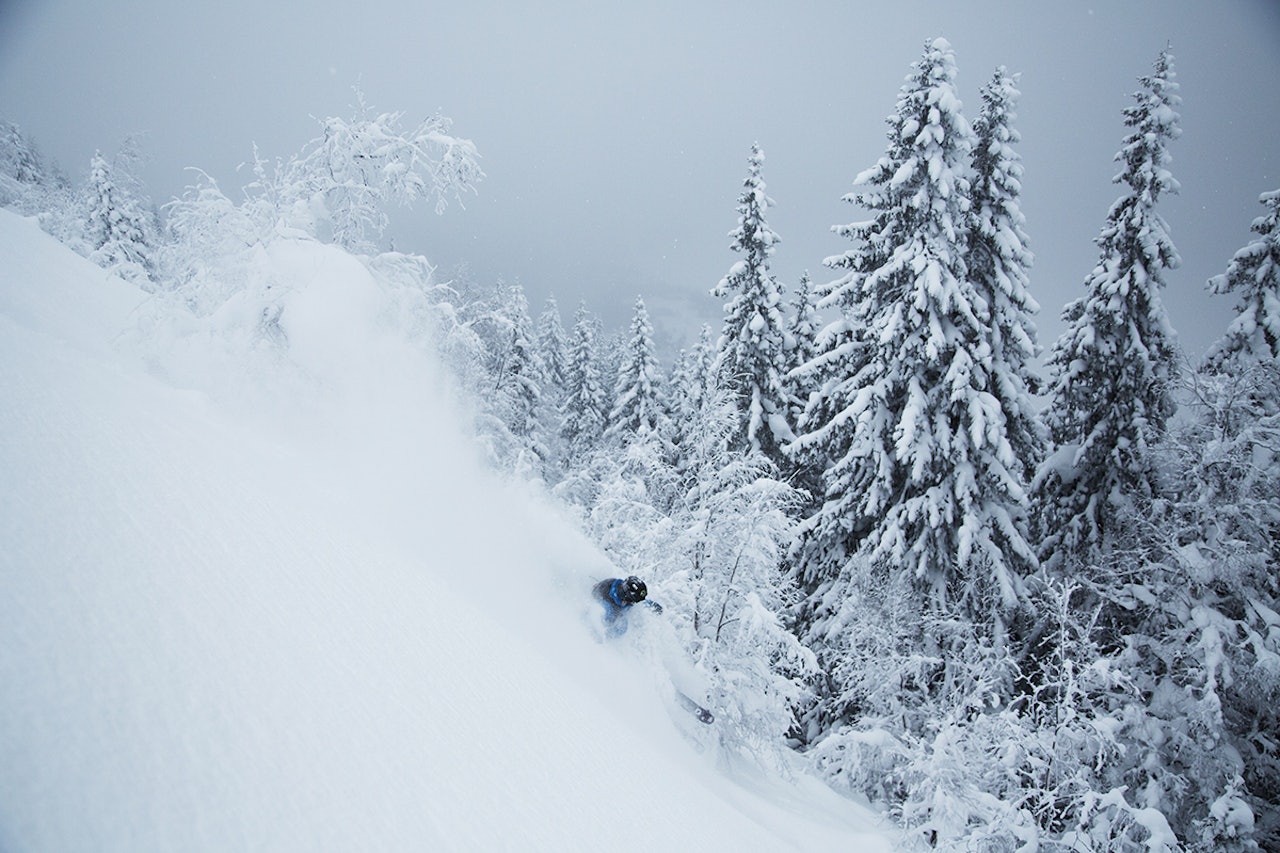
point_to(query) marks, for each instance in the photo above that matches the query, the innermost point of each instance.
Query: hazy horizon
(615, 139)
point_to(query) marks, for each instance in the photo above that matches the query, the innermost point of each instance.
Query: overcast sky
(615, 135)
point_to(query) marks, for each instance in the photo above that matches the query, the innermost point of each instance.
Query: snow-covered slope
(249, 602)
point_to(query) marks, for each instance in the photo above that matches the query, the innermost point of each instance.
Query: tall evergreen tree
(753, 345)
(998, 263)
(517, 384)
(19, 159)
(611, 346)
(26, 180)
(552, 346)
(1254, 276)
(928, 473)
(32, 185)
(637, 409)
(692, 378)
(1111, 371)
(584, 407)
(802, 335)
(117, 227)
(1223, 468)
(692, 382)
(830, 535)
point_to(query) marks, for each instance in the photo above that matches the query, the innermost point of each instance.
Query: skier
(618, 595)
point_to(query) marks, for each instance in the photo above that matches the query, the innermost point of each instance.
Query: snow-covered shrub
(915, 716)
(708, 526)
(617, 508)
(964, 788)
(29, 184)
(212, 244)
(119, 227)
(508, 387)
(1224, 463)
(338, 185)
(1109, 823)
(734, 526)
(1131, 669)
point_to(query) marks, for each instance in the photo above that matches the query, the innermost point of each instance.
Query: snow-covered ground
(254, 602)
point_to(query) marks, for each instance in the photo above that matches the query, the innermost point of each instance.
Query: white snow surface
(262, 602)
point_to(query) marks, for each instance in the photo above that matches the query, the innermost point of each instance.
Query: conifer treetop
(1254, 276)
(754, 343)
(1113, 367)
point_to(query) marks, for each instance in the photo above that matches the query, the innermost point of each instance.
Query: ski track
(220, 633)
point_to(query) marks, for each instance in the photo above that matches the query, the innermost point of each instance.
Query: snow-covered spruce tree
(32, 185)
(998, 263)
(637, 408)
(929, 474)
(1111, 371)
(118, 226)
(26, 181)
(1164, 540)
(802, 334)
(553, 348)
(611, 347)
(830, 534)
(19, 159)
(511, 393)
(584, 400)
(520, 382)
(338, 185)
(915, 563)
(553, 354)
(692, 381)
(753, 345)
(1236, 395)
(1254, 277)
(618, 468)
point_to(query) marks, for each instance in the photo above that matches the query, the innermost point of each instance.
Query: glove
(654, 606)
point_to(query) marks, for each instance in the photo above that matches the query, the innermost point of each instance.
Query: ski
(701, 713)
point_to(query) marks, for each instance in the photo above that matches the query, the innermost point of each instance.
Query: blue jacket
(609, 593)
(615, 609)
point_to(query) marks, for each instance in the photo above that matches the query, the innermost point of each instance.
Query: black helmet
(633, 590)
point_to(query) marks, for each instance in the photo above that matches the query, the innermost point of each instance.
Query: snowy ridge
(254, 603)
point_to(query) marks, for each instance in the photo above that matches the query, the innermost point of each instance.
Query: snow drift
(254, 598)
